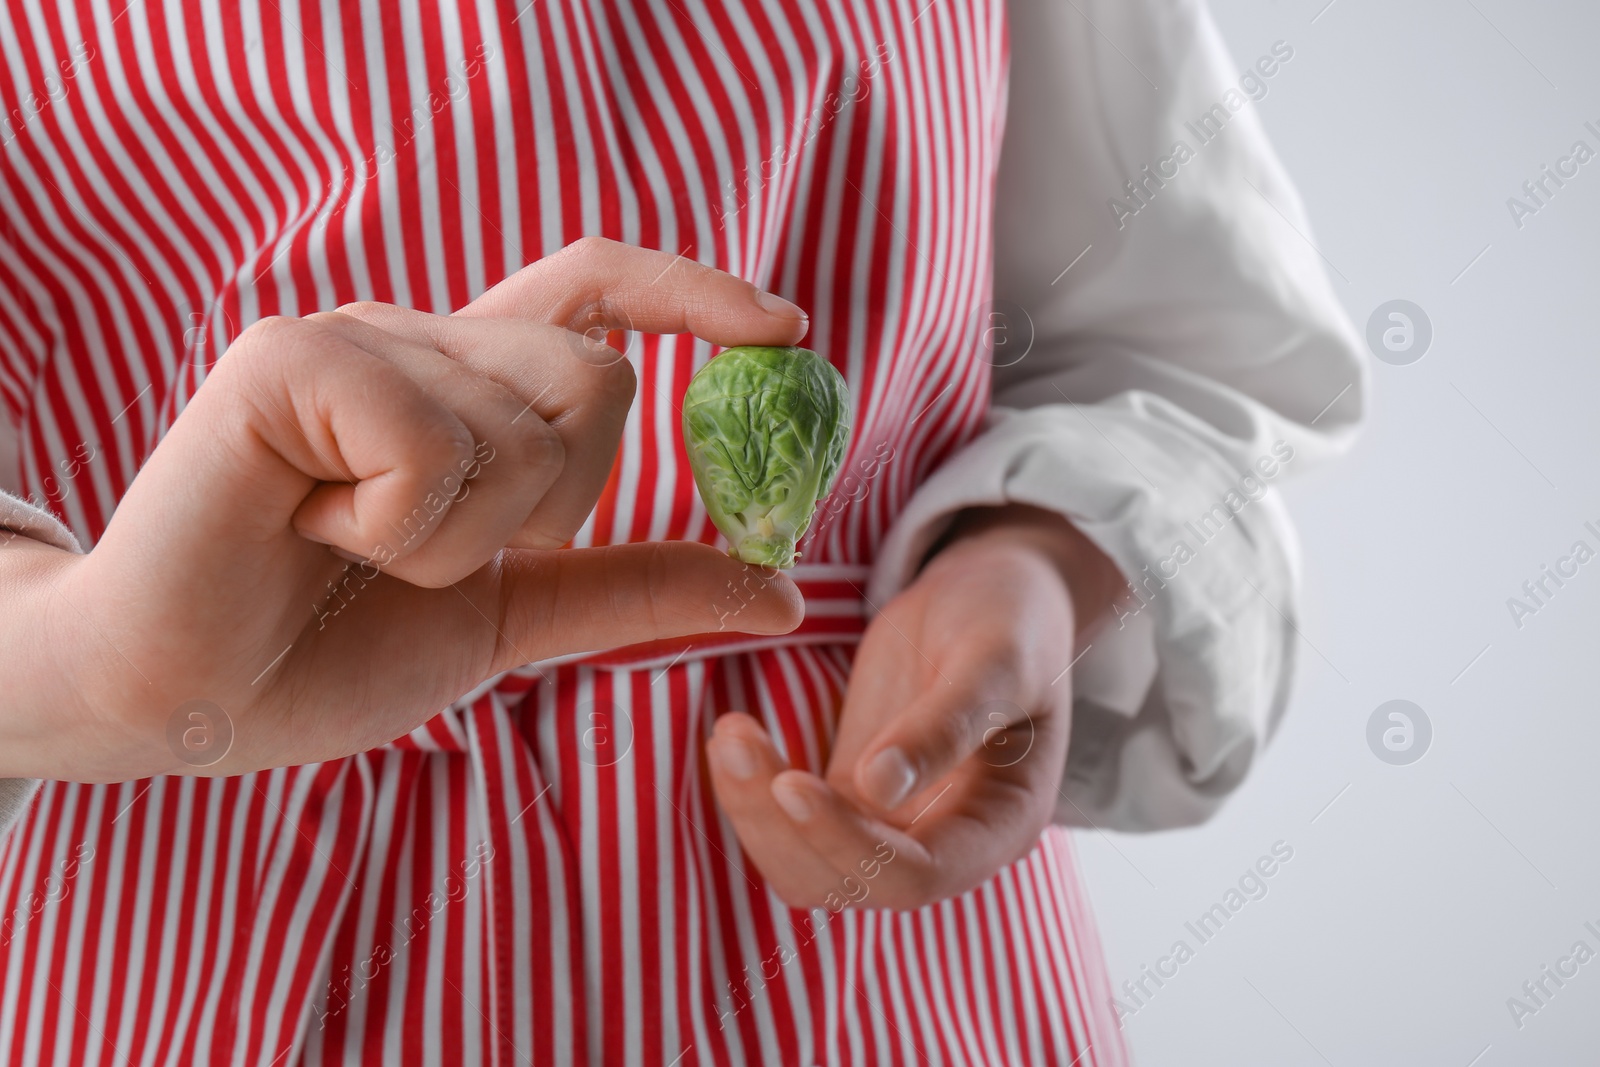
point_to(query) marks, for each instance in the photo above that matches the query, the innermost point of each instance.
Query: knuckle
(618, 385)
(267, 345)
(455, 440)
(336, 324)
(981, 726)
(656, 584)
(365, 310)
(518, 614)
(442, 440)
(619, 596)
(588, 245)
(271, 330)
(326, 319)
(939, 741)
(537, 446)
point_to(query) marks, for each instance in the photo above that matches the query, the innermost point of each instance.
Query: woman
(763, 845)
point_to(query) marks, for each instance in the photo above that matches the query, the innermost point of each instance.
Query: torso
(183, 174)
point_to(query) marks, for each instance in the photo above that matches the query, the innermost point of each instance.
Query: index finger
(596, 283)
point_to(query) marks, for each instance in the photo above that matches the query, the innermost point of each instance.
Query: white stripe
(1003, 946)
(377, 33)
(916, 1046)
(663, 768)
(961, 980)
(471, 220)
(285, 959)
(985, 1026)
(497, 70)
(1019, 893)
(404, 858)
(428, 241)
(104, 129)
(121, 878)
(1059, 934)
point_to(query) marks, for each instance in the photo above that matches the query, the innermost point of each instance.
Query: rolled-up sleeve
(1167, 347)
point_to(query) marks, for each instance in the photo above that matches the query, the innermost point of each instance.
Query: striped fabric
(538, 875)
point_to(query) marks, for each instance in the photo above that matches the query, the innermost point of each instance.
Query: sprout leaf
(766, 430)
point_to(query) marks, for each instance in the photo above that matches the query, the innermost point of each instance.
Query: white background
(1424, 896)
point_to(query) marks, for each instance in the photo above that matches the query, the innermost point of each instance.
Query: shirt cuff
(1176, 694)
(33, 520)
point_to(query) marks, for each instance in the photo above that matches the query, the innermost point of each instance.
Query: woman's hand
(953, 737)
(445, 458)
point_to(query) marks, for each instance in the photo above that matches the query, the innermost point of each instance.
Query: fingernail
(350, 556)
(736, 759)
(794, 802)
(889, 778)
(774, 304)
(313, 538)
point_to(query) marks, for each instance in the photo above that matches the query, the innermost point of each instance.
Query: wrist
(34, 713)
(1089, 578)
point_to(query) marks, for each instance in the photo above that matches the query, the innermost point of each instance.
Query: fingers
(541, 333)
(579, 600)
(595, 284)
(818, 849)
(904, 871)
(743, 766)
(453, 526)
(293, 404)
(563, 431)
(955, 844)
(975, 780)
(584, 403)
(941, 728)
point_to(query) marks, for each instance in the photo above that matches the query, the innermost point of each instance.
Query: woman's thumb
(932, 735)
(585, 599)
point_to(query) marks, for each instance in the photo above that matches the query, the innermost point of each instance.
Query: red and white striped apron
(540, 874)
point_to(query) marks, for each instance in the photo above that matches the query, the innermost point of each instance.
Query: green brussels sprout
(766, 430)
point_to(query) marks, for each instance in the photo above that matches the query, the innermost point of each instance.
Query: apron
(539, 874)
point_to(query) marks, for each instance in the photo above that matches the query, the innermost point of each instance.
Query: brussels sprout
(766, 430)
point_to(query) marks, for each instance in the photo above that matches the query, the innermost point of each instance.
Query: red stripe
(32, 840)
